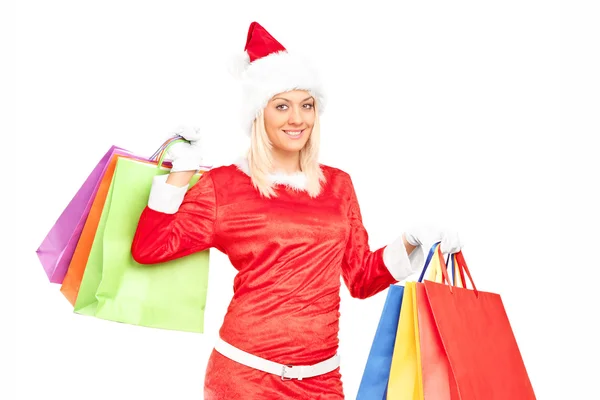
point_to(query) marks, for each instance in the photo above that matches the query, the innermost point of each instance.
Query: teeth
(293, 133)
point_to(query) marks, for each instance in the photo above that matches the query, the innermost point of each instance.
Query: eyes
(283, 107)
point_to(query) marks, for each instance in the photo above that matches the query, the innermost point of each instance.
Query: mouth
(294, 134)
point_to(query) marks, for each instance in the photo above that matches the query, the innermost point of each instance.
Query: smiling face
(289, 120)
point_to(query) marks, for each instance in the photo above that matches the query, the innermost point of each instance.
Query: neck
(286, 162)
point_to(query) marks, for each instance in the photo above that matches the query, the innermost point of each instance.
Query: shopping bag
(56, 250)
(406, 380)
(405, 371)
(74, 275)
(170, 295)
(478, 340)
(375, 377)
(437, 378)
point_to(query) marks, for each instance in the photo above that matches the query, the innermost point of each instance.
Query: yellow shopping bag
(406, 381)
(435, 273)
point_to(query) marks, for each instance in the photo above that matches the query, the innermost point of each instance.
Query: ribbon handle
(161, 152)
(459, 267)
(433, 273)
(462, 265)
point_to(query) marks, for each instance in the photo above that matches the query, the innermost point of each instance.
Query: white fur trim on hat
(238, 64)
(277, 73)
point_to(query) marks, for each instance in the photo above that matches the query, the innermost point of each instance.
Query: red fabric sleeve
(363, 270)
(162, 237)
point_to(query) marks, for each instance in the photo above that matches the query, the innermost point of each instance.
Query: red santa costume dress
(289, 251)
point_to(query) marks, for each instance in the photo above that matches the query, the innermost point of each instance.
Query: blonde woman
(289, 225)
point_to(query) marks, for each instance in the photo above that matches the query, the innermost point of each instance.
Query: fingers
(451, 243)
(190, 133)
(176, 150)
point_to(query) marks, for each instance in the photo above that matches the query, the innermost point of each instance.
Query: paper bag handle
(161, 152)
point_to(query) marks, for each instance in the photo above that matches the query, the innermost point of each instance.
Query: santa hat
(266, 69)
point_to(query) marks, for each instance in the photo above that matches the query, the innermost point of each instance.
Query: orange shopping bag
(74, 275)
(72, 280)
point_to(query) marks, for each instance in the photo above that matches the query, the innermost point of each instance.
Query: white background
(442, 112)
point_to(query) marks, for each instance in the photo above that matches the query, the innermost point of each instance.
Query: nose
(295, 116)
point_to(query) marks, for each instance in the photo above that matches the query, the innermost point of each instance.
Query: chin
(292, 149)
(292, 145)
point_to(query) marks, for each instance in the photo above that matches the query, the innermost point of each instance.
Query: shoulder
(331, 170)
(231, 184)
(338, 181)
(224, 173)
(335, 174)
(217, 178)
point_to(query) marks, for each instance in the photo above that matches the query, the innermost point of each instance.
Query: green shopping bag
(170, 295)
(86, 301)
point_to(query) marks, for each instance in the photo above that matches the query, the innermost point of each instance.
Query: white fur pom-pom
(238, 64)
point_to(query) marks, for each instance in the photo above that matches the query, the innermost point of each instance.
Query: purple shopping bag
(57, 248)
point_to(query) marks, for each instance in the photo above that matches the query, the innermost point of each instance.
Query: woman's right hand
(187, 157)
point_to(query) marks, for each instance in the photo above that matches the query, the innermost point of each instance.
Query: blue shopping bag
(373, 385)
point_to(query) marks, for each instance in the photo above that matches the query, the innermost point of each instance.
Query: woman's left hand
(427, 236)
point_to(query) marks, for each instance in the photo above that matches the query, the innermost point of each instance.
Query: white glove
(187, 156)
(427, 236)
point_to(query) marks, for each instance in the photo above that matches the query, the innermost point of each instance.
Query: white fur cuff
(397, 261)
(164, 197)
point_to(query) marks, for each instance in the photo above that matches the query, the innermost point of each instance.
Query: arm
(180, 179)
(177, 222)
(367, 272)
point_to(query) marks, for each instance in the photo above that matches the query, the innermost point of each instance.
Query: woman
(289, 225)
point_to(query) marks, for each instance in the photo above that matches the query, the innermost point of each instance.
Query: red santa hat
(267, 69)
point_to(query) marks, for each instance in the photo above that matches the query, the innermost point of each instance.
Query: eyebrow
(283, 98)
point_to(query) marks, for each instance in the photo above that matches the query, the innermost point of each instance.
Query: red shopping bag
(479, 352)
(437, 378)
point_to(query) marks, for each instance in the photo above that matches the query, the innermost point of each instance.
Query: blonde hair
(260, 159)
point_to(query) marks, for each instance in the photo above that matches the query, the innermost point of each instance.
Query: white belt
(285, 371)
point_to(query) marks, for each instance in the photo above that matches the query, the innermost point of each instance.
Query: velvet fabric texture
(290, 252)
